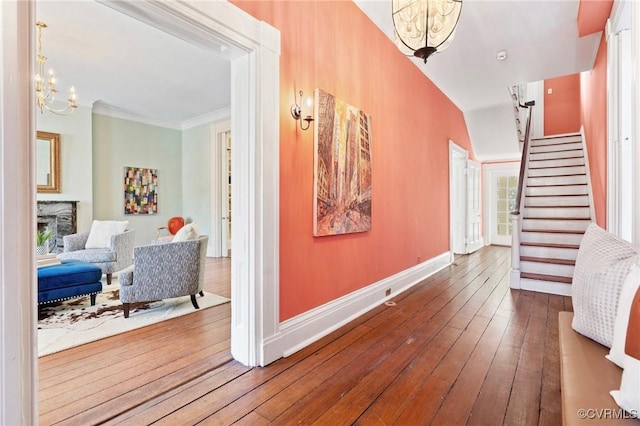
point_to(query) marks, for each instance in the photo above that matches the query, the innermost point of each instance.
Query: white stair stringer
(556, 210)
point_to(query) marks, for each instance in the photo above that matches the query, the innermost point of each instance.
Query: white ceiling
(129, 65)
(541, 38)
(123, 63)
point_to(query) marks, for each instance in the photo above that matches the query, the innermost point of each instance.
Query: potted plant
(42, 237)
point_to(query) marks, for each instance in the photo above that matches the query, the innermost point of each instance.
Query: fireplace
(59, 217)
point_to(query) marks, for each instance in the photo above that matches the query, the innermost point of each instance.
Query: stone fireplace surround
(59, 216)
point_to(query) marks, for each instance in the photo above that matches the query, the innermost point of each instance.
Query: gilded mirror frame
(53, 177)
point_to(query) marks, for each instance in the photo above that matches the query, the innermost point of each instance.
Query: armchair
(116, 257)
(163, 271)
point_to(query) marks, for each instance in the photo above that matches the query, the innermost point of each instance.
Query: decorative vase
(42, 250)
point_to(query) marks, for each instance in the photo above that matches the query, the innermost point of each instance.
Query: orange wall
(593, 88)
(335, 47)
(562, 106)
(592, 14)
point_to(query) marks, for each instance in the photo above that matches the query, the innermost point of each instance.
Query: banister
(525, 149)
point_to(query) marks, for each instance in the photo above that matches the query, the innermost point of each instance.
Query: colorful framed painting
(342, 167)
(140, 190)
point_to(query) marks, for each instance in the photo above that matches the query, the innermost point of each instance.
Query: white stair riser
(555, 141)
(560, 212)
(556, 155)
(549, 252)
(567, 200)
(557, 190)
(555, 224)
(545, 287)
(558, 180)
(562, 162)
(546, 268)
(556, 148)
(558, 171)
(553, 238)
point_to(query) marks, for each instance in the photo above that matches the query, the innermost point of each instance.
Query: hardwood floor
(458, 348)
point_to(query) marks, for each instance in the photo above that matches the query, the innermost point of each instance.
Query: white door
(457, 195)
(225, 202)
(504, 188)
(473, 240)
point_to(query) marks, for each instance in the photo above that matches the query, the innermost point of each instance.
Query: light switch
(549, 91)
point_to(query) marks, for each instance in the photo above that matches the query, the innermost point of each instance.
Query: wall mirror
(48, 162)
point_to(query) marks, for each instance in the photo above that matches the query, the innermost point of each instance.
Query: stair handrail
(527, 137)
(516, 224)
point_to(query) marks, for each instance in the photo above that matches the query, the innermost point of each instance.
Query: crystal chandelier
(423, 27)
(46, 90)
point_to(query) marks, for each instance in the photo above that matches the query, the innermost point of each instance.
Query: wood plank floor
(458, 348)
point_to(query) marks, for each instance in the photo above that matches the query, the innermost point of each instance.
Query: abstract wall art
(140, 190)
(342, 167)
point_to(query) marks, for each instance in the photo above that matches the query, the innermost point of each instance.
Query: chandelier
(423, 27)
(46, 90)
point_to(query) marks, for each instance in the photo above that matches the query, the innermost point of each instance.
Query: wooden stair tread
(546, 138)
(561, 184)
(573, 206)
(554, 159)
(565, 175)
(543, 277)
(554, 231)
(550, 245)
(548, 260)
(556, 218)
(561, 195)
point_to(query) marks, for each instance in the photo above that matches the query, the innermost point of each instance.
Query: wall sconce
(296, 112)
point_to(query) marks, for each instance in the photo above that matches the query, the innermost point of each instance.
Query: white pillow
(186, 233)
(101, 232)
(602, 265)
(629, 289)
(628, 397)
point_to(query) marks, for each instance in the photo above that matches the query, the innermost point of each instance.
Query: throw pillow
(186, 233)
(602, 265)
(628, 396)
(629, 289)
(101, 232)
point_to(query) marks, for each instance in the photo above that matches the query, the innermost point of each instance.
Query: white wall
(118, 143)
(493, 133)
(75, 159)
(196, 176)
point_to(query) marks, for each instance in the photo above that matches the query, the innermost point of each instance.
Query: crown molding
(212, 117)
(115, 112)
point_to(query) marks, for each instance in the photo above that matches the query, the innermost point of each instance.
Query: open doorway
(221, 190)
(464, 201)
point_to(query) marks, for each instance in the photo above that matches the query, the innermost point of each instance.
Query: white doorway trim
(18, 300)
(457, 188)
(218, 148)
(254, 55)
(253, 48)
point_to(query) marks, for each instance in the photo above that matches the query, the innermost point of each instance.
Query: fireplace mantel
(60, 217)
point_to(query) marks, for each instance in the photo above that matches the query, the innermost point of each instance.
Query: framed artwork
(140, 190)
(341, 166)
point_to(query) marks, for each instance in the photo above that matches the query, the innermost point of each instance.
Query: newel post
(515, 251)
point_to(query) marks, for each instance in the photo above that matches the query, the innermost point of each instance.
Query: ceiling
(123, 63)
(130, 66)
(541, 38)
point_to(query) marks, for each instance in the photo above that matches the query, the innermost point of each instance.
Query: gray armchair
(115, 258)
(163, 271)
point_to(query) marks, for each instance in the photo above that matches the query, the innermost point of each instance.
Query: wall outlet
(387, 292)
(419, 259)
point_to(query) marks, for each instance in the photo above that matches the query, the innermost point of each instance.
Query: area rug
(74, 322)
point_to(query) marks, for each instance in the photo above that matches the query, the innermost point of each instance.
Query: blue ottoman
(71, 278)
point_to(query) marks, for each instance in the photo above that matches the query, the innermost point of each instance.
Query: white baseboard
(304, 329)
(514, 281)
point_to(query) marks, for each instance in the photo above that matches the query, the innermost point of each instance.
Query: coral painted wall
(335, 47)
(562, 106)
(593, 88)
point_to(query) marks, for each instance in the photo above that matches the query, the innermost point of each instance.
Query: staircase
(556, 211)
